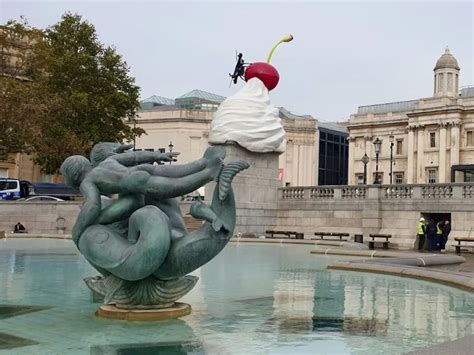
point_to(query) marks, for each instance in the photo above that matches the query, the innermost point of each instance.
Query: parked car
(43, 198)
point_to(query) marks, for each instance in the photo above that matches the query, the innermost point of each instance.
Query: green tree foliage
(78, 92)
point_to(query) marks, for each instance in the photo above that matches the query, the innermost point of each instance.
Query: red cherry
(265, 72)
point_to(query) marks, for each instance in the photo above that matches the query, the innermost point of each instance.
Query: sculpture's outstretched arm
(90, 210)
(212, 156)
(142, 157)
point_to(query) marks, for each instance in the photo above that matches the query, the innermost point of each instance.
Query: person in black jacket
(446, 230)
(431, 234)
(19, 228)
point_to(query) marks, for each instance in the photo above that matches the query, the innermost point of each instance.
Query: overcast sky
(344, 55)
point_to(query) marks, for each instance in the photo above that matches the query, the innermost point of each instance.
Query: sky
(344, 54)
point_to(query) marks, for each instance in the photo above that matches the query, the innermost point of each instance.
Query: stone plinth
(112, 312)
(255, 190)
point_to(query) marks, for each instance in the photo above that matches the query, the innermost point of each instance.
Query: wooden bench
(288, 234)
(322, 235)
(459, 240)
(383, 236)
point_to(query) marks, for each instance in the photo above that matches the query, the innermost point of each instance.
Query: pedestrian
(421, 234)
(431, 235)
(439, 235)
(19, 228)
(446, 231)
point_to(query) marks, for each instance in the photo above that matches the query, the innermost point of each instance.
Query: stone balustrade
(426, 191)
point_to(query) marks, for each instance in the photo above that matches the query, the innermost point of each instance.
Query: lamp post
(170, 146)
(391, 138)
(377, 146)
(365, 161)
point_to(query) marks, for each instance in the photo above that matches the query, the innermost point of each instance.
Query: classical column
(455, 143)
(442, 154)
(411, 155)
(352, 160)
(420, 156)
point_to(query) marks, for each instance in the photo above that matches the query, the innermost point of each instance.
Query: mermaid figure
(138, 241)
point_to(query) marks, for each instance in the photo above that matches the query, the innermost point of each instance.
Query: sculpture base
(112, 312)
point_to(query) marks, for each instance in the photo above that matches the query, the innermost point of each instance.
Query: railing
(318, 193)
(353, 192)
(437, 191)
(383, 192)
(398, 191)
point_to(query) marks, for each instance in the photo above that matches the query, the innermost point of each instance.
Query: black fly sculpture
(239, 70)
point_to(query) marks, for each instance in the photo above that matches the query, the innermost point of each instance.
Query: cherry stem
(287, 38)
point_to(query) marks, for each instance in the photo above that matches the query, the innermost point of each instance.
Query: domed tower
(446, 75)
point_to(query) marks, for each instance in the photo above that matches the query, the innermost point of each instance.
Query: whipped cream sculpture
(248, 118)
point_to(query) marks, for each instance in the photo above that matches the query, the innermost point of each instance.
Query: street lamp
(391, 138)
(170, 146)
(365, 161)
(378, 147)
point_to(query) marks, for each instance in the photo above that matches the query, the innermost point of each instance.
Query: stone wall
(383, 209)
(39, 217)
(351, 209)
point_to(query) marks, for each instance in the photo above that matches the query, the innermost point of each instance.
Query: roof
(285, 113)
(333, 126)
(400, 106)
(160, 100)
(467, 91)
(199, 94)
(447, 60)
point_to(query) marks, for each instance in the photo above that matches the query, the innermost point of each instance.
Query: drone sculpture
(266, 72)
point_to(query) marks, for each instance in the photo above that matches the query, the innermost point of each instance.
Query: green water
(249, 299)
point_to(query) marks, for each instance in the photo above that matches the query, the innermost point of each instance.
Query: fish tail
(227, 175)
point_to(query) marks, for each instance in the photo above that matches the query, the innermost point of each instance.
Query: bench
(382, 236)
(288, 234)
(459, 240)
(322, 235)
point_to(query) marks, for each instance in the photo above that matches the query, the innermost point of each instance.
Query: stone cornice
(174, 119)
(373, 124)
(437, 110)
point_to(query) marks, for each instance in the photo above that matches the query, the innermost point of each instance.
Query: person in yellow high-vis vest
(421, 234)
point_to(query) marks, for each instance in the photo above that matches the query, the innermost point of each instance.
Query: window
(432, 139)
(432, 176)
(440, 82)
(398, 178)
(359, 179)
(399, 147)
(469, 141)
(8, 185)
(3, 173)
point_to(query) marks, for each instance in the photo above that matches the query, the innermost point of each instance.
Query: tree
(79, 92)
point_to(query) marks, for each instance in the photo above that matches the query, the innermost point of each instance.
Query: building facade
(183, 124)
(428, 140)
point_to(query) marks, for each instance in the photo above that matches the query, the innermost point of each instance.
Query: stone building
(431, 139)
(183, 124)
